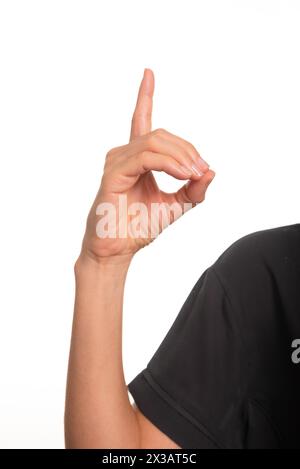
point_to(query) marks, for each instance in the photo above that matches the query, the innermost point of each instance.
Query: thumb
(189, 195)
(141, 119)
(194, 191)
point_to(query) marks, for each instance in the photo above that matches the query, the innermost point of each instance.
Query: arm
(98, 413)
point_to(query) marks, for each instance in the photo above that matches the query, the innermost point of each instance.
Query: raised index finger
(141, 119)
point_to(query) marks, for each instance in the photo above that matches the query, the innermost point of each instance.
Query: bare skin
(98, 413)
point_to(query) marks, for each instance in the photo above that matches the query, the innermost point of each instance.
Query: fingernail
(200, 164)
(196, 170)
(186, 171)
(203, 163)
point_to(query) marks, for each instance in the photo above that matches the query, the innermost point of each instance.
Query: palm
(145, 191)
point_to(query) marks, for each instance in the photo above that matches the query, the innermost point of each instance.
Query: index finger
(141, 119)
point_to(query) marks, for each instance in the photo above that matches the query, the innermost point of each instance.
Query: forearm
(98, 413)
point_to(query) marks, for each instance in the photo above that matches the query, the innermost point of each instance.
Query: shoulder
(260, 244)
(258, 252)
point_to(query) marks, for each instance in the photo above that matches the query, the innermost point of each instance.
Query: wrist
(112, 265)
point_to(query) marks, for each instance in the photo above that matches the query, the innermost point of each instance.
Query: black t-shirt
(227, 374)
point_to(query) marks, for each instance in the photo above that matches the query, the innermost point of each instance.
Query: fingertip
(210, 176)
(148, 70)
(148, 80)
(210, 179)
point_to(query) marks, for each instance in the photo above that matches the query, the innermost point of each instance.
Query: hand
(114, 231)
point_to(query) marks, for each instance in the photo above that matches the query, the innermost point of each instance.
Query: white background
(227, 79)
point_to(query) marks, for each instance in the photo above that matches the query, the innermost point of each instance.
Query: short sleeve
(192, 388)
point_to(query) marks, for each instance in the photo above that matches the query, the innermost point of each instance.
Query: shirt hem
(164, 412)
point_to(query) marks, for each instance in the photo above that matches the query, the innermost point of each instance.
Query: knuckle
(108, 157)
(152, 137)
(190, 148)
(113, 152)
(159, 131)
(110, 153)
(193, 148)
